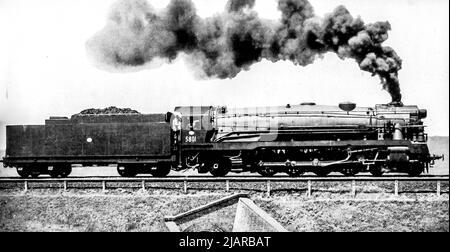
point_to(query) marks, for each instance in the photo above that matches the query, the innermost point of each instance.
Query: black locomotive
(291, 139)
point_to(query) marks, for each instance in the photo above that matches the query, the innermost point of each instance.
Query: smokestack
(227, 43)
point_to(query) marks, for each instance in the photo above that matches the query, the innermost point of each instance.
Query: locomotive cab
(196, 124)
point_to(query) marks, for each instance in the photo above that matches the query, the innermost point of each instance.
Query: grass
(90, 212)
(364, 216)
(139, 211)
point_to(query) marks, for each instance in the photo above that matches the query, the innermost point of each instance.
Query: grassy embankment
(143, 212)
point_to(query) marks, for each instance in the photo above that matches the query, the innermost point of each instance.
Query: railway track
(243, 176)
(145, 183)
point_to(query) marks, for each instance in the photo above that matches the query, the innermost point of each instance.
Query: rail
(103, 181)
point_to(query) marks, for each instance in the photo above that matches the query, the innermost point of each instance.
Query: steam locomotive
(292, 139)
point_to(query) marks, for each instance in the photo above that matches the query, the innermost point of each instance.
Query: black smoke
(229, 42)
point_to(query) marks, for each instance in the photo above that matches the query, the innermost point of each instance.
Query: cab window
(192, 123)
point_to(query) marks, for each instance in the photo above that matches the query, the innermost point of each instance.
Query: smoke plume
(229, 42)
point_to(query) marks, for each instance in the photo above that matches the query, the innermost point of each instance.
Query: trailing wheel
(162, 170)
(220, 167)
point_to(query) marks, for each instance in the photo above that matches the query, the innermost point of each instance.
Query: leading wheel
(415, 170)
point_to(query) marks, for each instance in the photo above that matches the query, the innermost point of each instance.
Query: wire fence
(267, 185)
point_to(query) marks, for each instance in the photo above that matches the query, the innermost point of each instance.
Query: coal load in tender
(107, 111)
(115, 115)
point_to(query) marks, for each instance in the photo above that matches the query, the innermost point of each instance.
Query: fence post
(396, 188)
(268, 188)
(227, 185)
(309, 193)
(143, 185)
(438, 188)
(185, 186)
(104, 185)
(25, 186)
(354, 188)
(65, 185)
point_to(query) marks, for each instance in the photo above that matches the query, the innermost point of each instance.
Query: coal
(107, 111)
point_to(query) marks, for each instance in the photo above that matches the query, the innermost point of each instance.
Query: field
(140, 211)
(360, 216)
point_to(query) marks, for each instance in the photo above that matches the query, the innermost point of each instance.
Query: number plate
(191, 139)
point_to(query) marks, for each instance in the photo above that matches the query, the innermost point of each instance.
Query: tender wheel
(35, 174)
(66, 171)
(54, 173)
(61, 171)
(267, 171)
(220, 168)
(162, 170)
(122, 171)
(295, 172)
(126, 171)
(23, 172)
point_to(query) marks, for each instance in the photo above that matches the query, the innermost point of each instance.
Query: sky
(45, 70)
